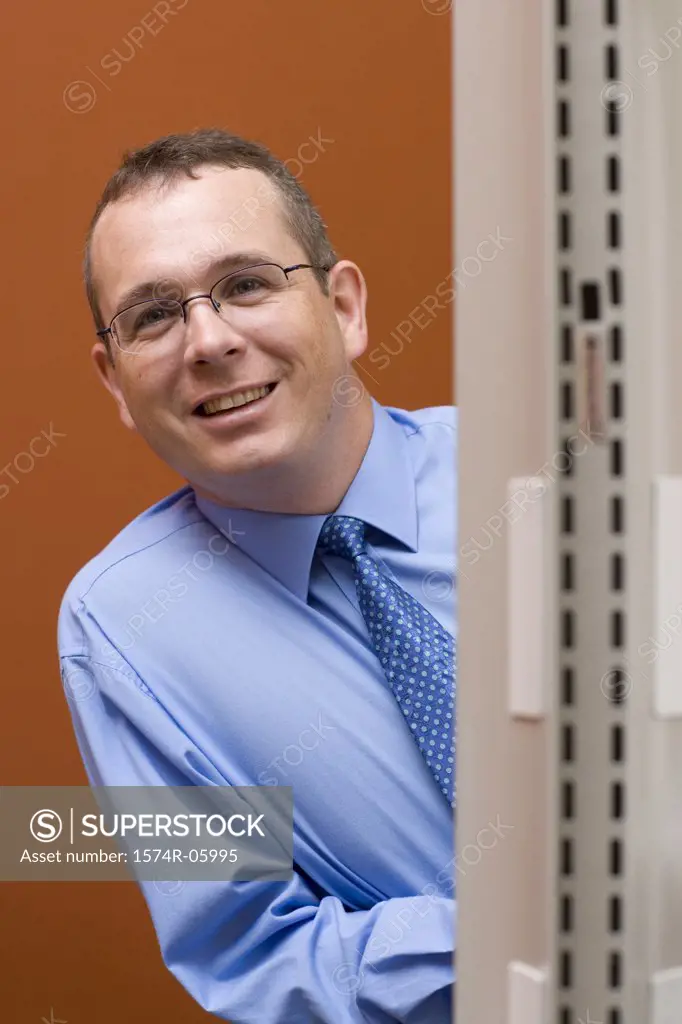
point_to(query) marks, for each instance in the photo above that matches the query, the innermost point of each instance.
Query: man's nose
(208, 334)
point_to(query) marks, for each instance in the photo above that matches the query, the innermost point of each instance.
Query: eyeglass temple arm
(304, 266)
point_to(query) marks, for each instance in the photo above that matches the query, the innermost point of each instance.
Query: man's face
(303, 341)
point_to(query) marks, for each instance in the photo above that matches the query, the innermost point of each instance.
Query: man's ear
(106, 370)
(348, 294)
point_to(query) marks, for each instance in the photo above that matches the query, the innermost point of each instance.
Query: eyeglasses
(238, 298)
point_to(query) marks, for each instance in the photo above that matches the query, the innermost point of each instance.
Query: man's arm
(261, 952)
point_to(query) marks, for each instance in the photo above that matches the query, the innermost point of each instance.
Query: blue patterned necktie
(416, 653)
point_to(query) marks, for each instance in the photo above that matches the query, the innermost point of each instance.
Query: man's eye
(151, 317)
(245, 286)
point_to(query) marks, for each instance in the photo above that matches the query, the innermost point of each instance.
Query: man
(287, 618)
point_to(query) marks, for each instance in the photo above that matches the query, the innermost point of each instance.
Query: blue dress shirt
(213, 646)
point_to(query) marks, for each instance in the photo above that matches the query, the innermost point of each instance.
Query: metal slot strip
(590, 360)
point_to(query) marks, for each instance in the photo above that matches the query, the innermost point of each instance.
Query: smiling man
(288, 617)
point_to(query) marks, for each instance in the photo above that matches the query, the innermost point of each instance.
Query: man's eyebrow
(159, 288)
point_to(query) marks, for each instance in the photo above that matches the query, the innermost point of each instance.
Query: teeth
(233, 401)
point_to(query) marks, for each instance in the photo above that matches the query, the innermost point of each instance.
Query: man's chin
(254, 459)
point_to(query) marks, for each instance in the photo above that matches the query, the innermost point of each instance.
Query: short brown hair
(163, 161)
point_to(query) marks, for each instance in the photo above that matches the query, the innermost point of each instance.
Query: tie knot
(343, 536)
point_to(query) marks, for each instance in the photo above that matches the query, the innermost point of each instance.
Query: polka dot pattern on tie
(416, 653)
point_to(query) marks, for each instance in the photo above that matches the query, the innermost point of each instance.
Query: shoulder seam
(137, 551)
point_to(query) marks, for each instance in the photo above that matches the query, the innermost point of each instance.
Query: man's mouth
(236, 401)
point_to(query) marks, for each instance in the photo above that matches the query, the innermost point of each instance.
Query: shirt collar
(382, 493)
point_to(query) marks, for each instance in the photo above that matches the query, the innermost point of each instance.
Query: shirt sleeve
(259, 952)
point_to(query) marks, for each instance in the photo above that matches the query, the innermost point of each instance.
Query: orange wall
(372, 78)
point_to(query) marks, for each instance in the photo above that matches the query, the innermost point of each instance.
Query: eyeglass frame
(102, 333)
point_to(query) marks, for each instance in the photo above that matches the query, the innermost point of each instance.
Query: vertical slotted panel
(590, 363)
